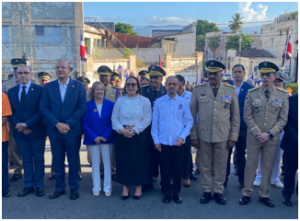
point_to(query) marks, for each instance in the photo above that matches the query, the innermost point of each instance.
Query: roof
(135, 41)
(254, 53)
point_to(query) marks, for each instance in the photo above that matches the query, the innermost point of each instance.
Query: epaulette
(198, 85)
(229, 85)
(278, 88)
(253, 89)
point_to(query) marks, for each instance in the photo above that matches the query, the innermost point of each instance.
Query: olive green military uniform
(262, 115)
(218, 121)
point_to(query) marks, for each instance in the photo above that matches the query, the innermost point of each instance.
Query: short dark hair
(239, 65)
(180, 78)
(138, 84)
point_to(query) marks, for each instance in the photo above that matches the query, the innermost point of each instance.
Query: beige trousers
(213, 155)
(267, 162)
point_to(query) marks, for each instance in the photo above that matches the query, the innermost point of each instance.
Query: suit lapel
(16, 96)
(56, 91)
(70, 89)
(208, 90)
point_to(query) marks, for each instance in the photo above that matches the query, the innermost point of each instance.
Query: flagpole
(290, 67)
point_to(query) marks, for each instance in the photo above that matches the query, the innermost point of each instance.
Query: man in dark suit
(289, 144)
(152, 92)
(63, 104)
(29, 130)
(241, 87)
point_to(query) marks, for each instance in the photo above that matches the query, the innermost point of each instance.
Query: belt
(128, 126)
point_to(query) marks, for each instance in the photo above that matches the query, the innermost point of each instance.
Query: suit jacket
(289, 142)
(29, 113)
(70, 111)
(95, 126)
(218, 117)
(242, 95)
(147, 92)
(261, 115)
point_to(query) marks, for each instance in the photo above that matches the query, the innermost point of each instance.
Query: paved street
(150, 206)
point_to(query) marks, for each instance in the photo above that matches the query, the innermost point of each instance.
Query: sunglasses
(131, 84)
(170, 84)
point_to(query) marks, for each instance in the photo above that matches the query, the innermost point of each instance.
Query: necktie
(23, 95)
(154, 93)
(215, 91)
(267, 95)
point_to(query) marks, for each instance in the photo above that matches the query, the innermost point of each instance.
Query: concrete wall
(160, 33)
(106, 53)
(185, 44)
(108, 25)
(52, 10)
(6, 9)
(149, 55)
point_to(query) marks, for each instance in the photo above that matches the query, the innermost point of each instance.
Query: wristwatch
(24, 126)
(270, 135)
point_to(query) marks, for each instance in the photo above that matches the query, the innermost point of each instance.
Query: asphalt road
(150, 206)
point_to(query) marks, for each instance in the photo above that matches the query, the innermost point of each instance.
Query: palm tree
(236, 23)
(213, 44)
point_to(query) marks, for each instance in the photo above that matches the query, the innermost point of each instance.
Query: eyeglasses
(26, 73)
(265, 74)
(170, 84)
(131, 84)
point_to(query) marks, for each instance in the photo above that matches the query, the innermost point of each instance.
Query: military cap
(84, 80)
(104, 70)
(267, 67)
(156, 71)
(214, 66)
(144, 74)
(44, 76)
(115, 76)
(10, 76)
(17, 62)
(279, 76)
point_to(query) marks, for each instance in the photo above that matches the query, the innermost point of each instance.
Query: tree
(200, 42)
(236, 23)
(204, 27)
(233, 42)
(213, 44)
(127, 52)
(125, 28)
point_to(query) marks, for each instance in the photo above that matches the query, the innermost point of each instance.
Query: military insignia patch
(180, 107)
(203, 96)
(211, 63)
(246, 96)
(153, 67)
(265, 63)
(95, 110)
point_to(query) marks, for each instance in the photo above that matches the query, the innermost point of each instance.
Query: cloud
(251, 15)
(170, 20)
(108, 19)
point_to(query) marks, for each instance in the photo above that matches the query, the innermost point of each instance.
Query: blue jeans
(32, 152)
(5, 183)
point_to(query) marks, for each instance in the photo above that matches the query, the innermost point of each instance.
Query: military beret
(214, 66)
(267, 67)
(84, 80)
(17, 62)
(144, 74)
(44, 76)
(104, 70)
(115, 76)
(156, 71)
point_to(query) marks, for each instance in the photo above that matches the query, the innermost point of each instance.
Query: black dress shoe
(241, 186)
(177, 198)
(147, 187)
(287, 201)
(196, 172)
(219, 198)
(267, 201)
(39, 191)
(15, 177)
(6, 193)
(51, 177)
(56, 194)
(245, 200)
(225, 184)
(74, 194)
(137, 197)
(205, 198)
(193, 177)
(126, 197)
(167, 199)
(26, 191)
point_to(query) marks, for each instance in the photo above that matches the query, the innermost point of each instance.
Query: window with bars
(5, 37)
(48, 34)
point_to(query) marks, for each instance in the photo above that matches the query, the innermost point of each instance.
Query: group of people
(136, 133)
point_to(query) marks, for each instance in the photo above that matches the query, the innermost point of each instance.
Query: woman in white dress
(131, 116)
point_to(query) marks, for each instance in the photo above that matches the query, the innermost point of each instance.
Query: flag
(159, 61)
(251, 76)
(287, 52)
(126, 74)
(120, 69)
(82, 48)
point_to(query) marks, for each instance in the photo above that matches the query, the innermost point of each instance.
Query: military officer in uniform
(13, 149)
(44, 78)
(152, 92)
(215, 109)
(144, 78)
(113, 79)
(117, 80)
(265, 113)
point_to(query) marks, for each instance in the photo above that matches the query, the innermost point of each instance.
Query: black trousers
(171, 165)
(291, 167)
(240, 156)
(188, 161)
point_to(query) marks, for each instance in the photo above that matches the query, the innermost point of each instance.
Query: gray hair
(172, 76)
(25, 66)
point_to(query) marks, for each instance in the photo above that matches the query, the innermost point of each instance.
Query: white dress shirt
(63, 89)
(171, 120)
(186, 95)
(130, 111)
(238, 89)
(26, 89)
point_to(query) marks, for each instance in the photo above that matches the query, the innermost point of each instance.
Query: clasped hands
(20, 128)
(62, 128)
(178, 143)
(99, 139)
(129, 133)
(263, 137)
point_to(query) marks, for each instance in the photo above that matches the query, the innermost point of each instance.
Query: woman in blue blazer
(99, 136)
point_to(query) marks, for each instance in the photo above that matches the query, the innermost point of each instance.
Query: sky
(184, 13)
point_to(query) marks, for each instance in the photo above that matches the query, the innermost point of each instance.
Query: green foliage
(200, 42)
(140, 63)
(233, 42)
(125, 28)
(127, 52)
(236, 23)
(293, 86)
(204, 27)
(213, 43)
